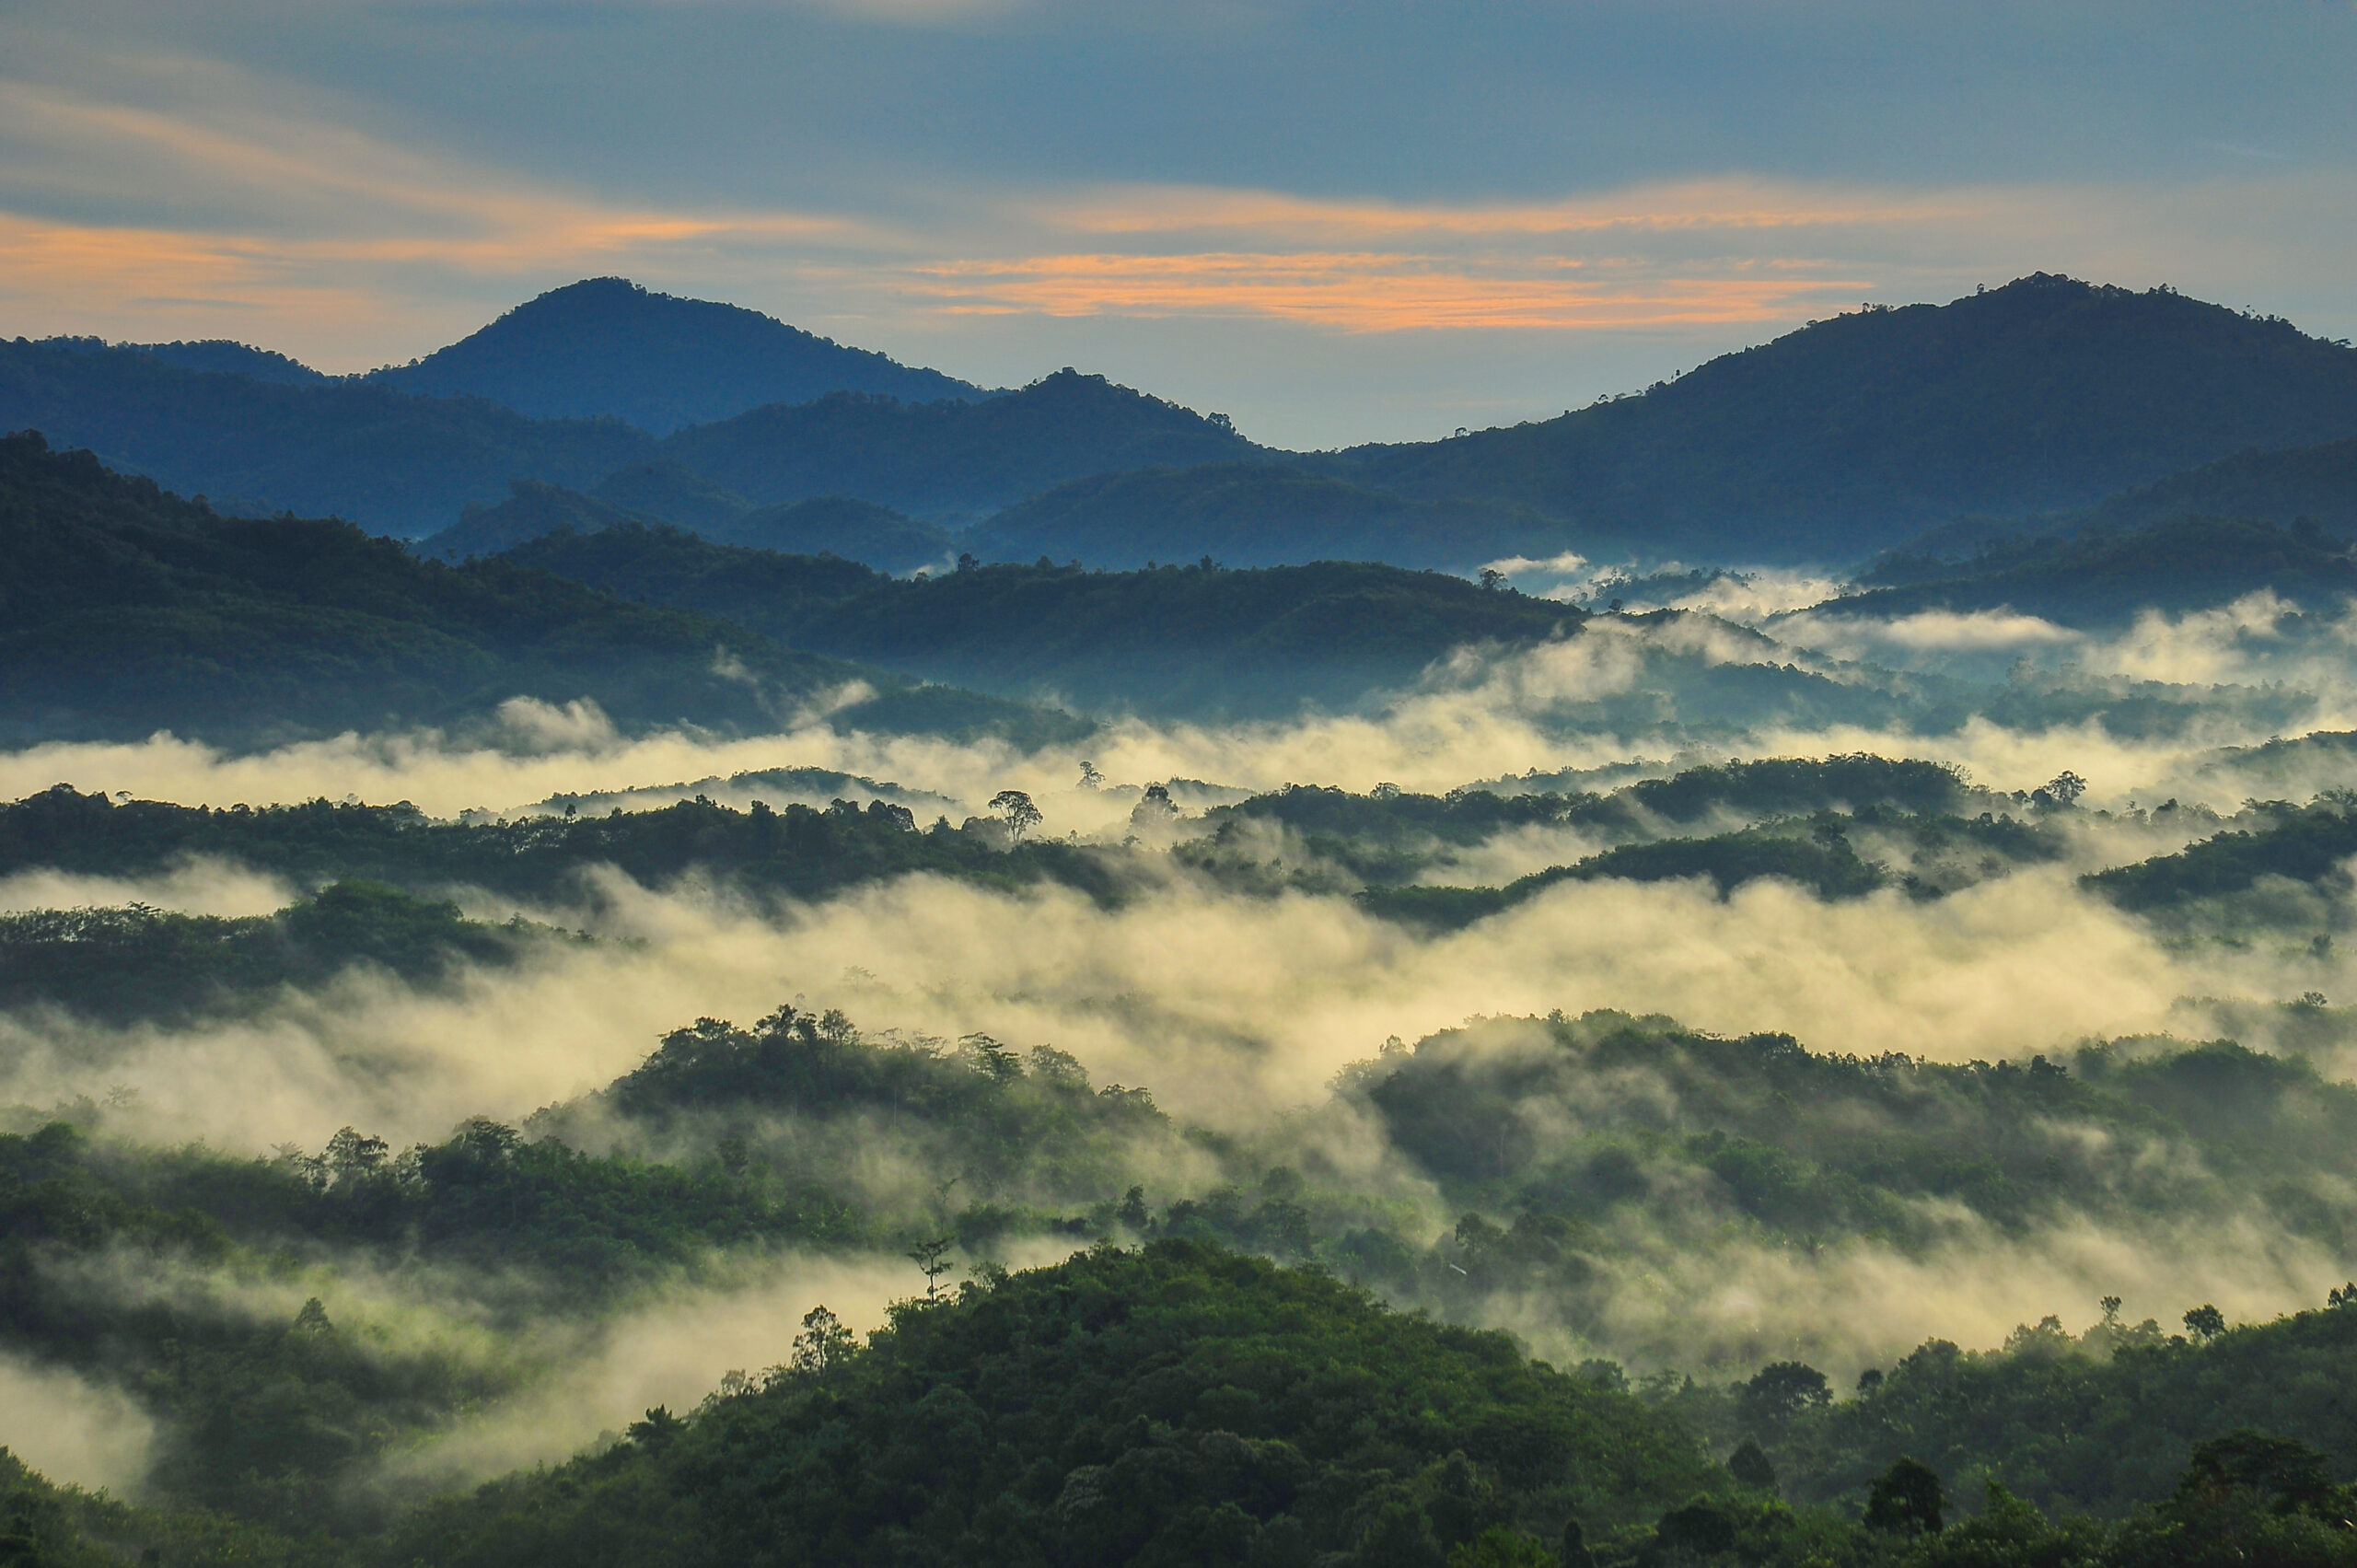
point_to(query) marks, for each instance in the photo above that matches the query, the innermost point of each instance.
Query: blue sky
(1334, 222)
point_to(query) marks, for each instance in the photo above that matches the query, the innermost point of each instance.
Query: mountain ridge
(608, 346)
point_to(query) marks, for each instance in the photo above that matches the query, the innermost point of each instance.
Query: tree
(1015, 808)
(1575, 1552)
(824, 1345)
(1906, 1499)
(1698, 1530)
(1748, 1465)
(2205, 1322)
(1493, 579)
(1780, 1391)
(927, 1256)
(2281, 1474)
(1502, 1545)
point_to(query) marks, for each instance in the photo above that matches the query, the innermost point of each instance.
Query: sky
(1334, 222)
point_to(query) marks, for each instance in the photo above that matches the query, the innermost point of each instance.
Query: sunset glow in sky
(1335, 222)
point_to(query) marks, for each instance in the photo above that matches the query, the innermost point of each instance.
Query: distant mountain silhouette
(219, 355)
(1260, 514)
(673, 492)
(2034, 401)
(124, 608)
(530, 510)
(1191, 640)
(607, 346)
(1854, 434)
(389, 462)
(948, 459)
(876, 537)
(2103, 580)
(2317, 482)
(836, 524)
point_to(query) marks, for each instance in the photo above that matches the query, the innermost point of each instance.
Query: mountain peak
(609, 346)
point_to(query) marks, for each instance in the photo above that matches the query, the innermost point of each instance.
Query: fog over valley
(1610, 844)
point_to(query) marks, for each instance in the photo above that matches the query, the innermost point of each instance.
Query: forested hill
(222, 356)
(823, 525)
(1199, 639)
(127, 610)
(957, 457)
(1175, 1406)
(1856, 432)
(2102, 580)
(530, 510)
(608, 346)
(390, 462)
(1260, 514)
(2315, 483)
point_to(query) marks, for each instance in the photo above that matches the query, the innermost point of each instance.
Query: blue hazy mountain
(1851, 434)
(607, 346)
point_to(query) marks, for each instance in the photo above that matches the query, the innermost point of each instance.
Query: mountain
(836, 524)
(952, 458)
(127, 610)
(1851, 434)
(674, 493)
(2317, 482)
(530, 510)
(219, 356)
(827, 525)
(1194, 640)
(2045, 396)
(389, 462)
(1255, 515)
(1179, 1405)
(2103, 580)
(607, 346)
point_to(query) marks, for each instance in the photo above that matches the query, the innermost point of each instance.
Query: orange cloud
(1663, 210)
(1365, 291)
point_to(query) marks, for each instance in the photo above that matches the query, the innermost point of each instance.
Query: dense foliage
(120, 964)
(796, 850)
(130, 609)
(2307, 845)
(1174, 1405)
(1195, 639)
(1804, 819)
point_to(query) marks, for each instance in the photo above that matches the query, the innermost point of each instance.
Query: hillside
(786, 849)
(1197, 640)
(1854, 434)
(389, 462)
(941, 458)
(530, 510)
(128, 610)
(1254, 514)
(2102, 580)
(223, 357)
(673, 493)
(2317, 482)
(605, 346)
(2045, 396)
(836, 524)
(1175, 1406)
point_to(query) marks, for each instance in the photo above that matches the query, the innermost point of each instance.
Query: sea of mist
(1239, 1010)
